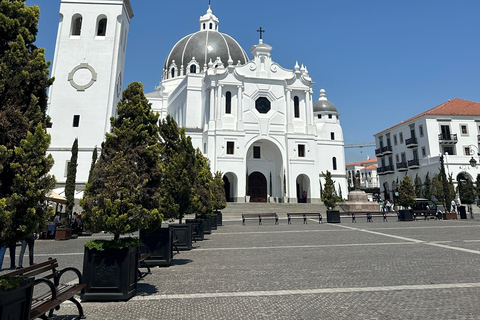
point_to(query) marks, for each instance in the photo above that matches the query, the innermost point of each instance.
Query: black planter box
(15, 304)
(160, 244)
(197, 229)
(333, 216)
(207, 225)
(110, 275)
(182, 233)
(405, 215)
(213, 221)
(219, 218)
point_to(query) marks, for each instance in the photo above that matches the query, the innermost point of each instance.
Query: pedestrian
(304, 196)
(453, 206)
(57, 220)
(30, 240)
(11, 248)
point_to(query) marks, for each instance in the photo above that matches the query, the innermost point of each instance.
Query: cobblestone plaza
(379, 270)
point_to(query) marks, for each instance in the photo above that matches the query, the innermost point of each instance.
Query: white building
(366, 171)
(255, 120)
(414, 146)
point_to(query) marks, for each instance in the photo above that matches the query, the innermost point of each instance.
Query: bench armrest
(49, 284)
(74, 270)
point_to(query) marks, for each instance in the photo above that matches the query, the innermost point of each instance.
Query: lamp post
(473, 162)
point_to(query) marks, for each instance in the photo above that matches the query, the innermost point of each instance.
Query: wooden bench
(259, 216)
(47, 302)
(304, 216)
(368, 215)
(143, 254)
(426, 214)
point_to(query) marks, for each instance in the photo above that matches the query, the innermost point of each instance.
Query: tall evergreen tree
(466, 190)
(427, 187)
(71, 179)
(477, 186)
(445, 187)
(124, 195)
(202, 187)
(329, 196)
(418, 186)
(437, 188)
(218, 192)
(406, 193)
(24, 164)
(92, 165)
(178, 155)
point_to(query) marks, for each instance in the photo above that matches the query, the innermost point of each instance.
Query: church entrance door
(257, 187)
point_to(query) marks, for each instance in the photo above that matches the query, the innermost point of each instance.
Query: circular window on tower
(262, 105)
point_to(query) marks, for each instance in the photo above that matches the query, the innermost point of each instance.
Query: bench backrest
(49, 267)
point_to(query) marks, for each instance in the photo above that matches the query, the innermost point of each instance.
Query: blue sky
(379, 61)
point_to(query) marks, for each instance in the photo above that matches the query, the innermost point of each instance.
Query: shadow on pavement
(145, 289)
(180, 262)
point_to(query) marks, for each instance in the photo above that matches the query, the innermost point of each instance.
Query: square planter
(197, 229)
(15, 304)
(219, 218)
(160, 244)
(183, 235)
(406, 215)
(110, 275)
(63, 233)
(207, 225)
(213, 221)
(450, 216)
(333, 216)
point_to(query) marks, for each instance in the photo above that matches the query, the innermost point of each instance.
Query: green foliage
(121, 243)
(437, 188)
(418, 186)
(9, 283)
(406, 193)
(202, 186)
(71, 177)
(92, 166)
(218, 192)
(466, 190)
(427, 187)
(179, 157)
(329, 196)
(446, 198)
(477, 186)
(24, 166)
(124, 194)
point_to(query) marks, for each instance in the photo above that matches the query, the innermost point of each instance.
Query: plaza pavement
(379, 270)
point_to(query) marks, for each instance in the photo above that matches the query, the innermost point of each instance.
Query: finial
(297, 68)
(323, 96)
(261, 31)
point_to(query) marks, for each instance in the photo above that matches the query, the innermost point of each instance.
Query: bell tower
(88, 67)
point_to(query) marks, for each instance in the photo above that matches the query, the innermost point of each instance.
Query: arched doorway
(303, 188)
(226, 185)
(257, 187)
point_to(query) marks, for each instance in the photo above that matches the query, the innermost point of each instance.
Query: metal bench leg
(304, 219)
(276, 219)
(259, 220)
(79, 307)
(288, 221)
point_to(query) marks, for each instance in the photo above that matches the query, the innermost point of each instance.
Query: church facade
(255, 120)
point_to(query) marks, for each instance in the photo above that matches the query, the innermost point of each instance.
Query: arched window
(172, 72)
(102, 27)
(204, 26)
(76, 25)
(211, 26)
(296, 107)
(228, 102)
(193, 68)
(334, 163)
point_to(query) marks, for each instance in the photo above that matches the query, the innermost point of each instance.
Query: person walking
(30, 240)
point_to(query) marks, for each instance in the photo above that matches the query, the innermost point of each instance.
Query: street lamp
(473, 162)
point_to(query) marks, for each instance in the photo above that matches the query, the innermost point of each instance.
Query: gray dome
(203, 46)
(323, 104)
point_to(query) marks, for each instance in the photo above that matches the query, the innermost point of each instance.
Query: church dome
(199, 48)
(323, 104)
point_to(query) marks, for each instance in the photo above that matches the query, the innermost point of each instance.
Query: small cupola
(323, 105)
(209, 22)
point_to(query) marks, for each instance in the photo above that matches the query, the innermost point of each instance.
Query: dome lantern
(209, 21)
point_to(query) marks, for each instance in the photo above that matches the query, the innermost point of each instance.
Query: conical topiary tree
(124, 194)
(24, 163)
(329, 196)
(71, 178)
(406, 193)
(202, 187)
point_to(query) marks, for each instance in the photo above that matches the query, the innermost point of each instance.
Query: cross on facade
(261, 31)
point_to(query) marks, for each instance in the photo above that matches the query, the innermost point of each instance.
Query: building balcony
(388, 169)
(380, 152)
(413, 164)
(447, 138)
(411, 143)
(402, 166)
(478, 138)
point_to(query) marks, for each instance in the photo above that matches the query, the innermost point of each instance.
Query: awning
(55, 197)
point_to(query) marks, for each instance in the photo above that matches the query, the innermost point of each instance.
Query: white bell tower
(88, 67)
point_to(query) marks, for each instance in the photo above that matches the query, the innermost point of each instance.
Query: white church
(255, 120)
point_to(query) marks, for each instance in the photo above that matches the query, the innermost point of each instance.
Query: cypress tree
(203, 187)
(94, 161)
(446, 196)
(71, 178)
(218, 192)
(124, 194)
(418, 187)
(24, 164)
(466, 191)
(329, 197)
(427, 189)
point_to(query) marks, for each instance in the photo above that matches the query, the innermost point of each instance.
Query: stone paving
(379, 270)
